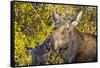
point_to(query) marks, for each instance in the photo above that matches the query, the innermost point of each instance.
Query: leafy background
(33, 23)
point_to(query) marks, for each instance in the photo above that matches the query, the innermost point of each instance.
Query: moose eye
(67, 29)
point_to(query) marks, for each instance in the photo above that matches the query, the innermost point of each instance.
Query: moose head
(64, 34)
(64, 30)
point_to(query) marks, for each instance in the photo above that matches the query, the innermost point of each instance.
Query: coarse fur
(71, 44)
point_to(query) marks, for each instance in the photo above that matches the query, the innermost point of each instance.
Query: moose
(68, 42)
(71, 44)
(39, 53)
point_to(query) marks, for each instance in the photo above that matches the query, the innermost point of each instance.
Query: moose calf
(39, 53)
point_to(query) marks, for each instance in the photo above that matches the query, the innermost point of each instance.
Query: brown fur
(87, 48)
(71, 44)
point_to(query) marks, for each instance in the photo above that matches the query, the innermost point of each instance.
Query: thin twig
(38, 15)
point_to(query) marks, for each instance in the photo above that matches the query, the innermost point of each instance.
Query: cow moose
(67, 42)
(70, 43)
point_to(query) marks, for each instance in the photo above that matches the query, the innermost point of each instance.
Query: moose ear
(79, 16)
(57, 19)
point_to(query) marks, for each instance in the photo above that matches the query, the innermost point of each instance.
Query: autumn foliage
(33, 23)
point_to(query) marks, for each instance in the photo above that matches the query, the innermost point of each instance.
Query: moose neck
(77, 39)
(72, 49)
(77, 35)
